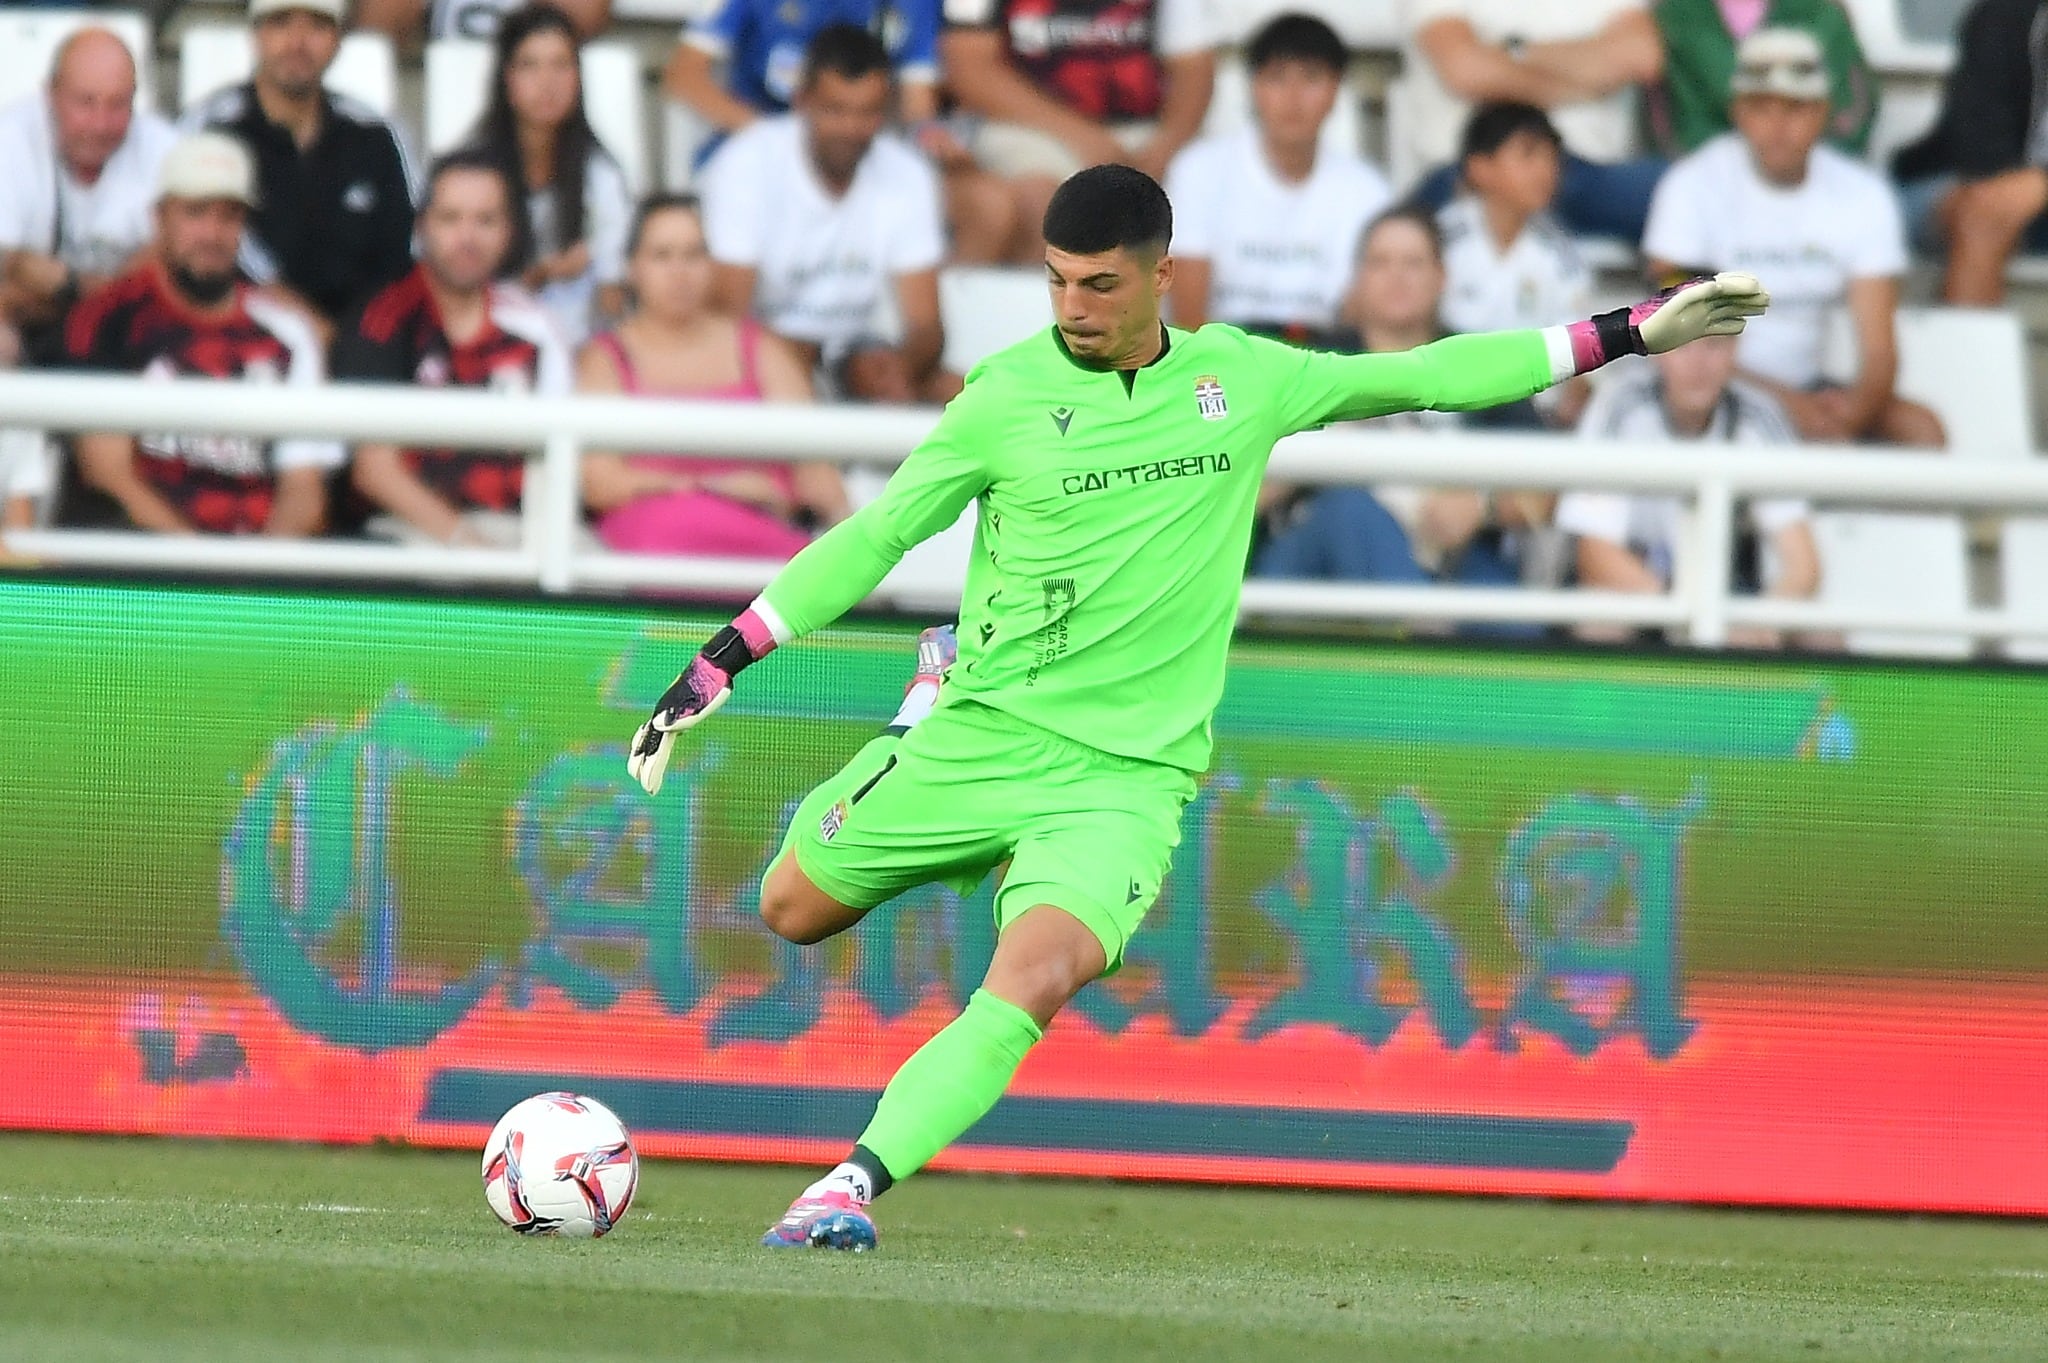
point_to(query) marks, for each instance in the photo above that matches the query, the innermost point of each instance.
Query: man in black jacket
(334, 223)
(1980, 179)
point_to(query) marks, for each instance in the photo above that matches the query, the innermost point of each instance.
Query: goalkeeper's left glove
(704, 685)
(1720, 306)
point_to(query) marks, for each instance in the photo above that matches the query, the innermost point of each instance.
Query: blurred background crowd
(837, 201)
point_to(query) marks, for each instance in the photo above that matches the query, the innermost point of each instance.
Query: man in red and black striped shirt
(184, 315)
(447, 325)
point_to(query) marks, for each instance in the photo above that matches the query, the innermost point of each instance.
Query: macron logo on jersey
(1131, 475)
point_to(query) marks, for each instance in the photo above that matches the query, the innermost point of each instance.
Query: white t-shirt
(95, 228)
(825, 265)
(1278, 252)
(1712, 211)
(1539, 281)
(1597, 129)
(607, 222)
(1627, 407)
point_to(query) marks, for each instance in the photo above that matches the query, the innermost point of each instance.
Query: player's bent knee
(798, 911)
(1044, 958)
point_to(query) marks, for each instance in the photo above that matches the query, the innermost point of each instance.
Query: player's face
(1781, 133)
(1696, 375)
(841, 120)
(1400, 280)
(671, 269)
(542, 83)
(200, 237)
(1292, 98)
(1106, 305)
(92, 99)
(294, 48)
(1522, 172)
(466, 229)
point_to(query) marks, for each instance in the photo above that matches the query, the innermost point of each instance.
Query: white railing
(557, 430)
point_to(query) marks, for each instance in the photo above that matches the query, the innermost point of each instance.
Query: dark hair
(1106, 207)
(1493, 125)
(847, 51)
(496, 137)
(655, 204)
(1298, 37)
(1415, 215)
(467, 161)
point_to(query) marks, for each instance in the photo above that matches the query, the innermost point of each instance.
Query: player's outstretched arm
(832, 575)
(1466, 373)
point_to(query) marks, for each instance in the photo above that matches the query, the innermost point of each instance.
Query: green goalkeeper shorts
(972, 787)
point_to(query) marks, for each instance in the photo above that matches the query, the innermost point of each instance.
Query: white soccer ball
(560, 1164)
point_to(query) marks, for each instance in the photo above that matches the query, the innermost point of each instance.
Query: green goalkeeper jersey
(1116, 513)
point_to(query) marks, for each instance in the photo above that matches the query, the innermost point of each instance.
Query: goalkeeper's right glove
(704, 685)
(1720, 306)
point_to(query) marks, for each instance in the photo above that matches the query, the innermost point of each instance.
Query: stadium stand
(214, 56)
(1973, 367)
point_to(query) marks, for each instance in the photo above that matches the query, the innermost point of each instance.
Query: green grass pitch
(142, 1250)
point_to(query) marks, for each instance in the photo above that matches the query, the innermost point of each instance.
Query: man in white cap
(1769, 198)
(185, 314)
(75, 201)
(335, 223)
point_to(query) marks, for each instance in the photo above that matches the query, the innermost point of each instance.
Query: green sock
(949, 1084)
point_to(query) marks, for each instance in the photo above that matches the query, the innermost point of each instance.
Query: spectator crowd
(286, 234)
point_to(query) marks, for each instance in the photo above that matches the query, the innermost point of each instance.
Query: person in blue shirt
(762, 43)
(760, 46)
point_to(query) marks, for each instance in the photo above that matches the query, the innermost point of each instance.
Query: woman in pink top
(674, 345)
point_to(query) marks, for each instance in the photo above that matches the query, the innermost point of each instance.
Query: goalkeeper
(1117, 463)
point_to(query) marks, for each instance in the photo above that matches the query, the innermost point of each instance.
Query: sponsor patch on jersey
(834, 820)
(1209, 398)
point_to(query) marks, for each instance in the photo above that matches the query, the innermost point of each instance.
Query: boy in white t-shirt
(819, 220)
(1630, 542)
(1771, 199)
(1267, 219)
(1507, 262)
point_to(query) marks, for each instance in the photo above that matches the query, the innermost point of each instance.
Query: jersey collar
(1130, 376)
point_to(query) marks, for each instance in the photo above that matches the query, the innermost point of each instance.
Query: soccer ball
(560, 1164)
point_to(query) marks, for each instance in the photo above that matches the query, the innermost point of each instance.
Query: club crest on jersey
(1209, 398)
(834, 820)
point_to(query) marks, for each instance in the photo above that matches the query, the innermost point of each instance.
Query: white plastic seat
(1882, 31)
(2023, 573)
(1912, 563)
(458, 78)
(214, 56)
(985, 308)
(1970, 366)
(30, 38)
